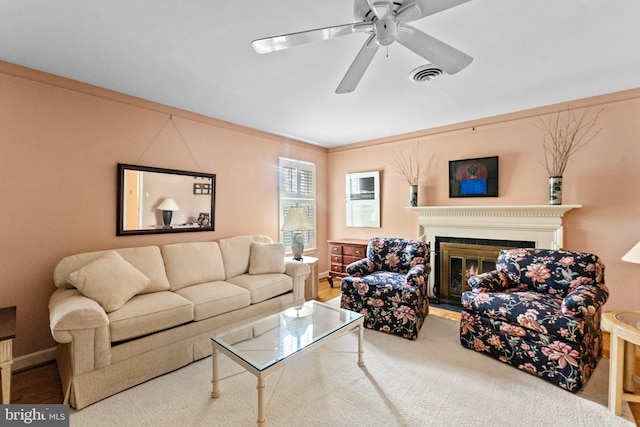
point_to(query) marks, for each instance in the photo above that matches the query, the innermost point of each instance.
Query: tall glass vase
(413, 194)
(555, 190)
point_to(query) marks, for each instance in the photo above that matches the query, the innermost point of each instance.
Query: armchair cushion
(526, 312)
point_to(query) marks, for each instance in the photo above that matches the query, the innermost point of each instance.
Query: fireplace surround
(537, 224)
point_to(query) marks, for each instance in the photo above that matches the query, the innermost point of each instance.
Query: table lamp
(167, 207)
(633, 255)
(297, 221)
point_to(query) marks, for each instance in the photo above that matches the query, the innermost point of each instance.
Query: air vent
(425, 73)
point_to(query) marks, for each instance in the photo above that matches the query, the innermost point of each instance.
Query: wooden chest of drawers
(342, 253)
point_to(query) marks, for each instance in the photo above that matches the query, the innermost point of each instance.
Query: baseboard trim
(28, 361)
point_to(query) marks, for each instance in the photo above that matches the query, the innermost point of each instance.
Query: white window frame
(296, 196)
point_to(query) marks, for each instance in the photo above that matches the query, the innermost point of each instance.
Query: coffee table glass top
(267, 341)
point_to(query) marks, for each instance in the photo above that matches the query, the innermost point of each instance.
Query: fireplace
(537, 226)
(458, 259)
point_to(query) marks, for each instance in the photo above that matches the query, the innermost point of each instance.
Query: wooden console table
(343, 252)
(7, 334)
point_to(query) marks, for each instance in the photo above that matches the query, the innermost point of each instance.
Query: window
(297, 188)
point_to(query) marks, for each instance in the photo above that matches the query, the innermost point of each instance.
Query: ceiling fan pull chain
(387, 51)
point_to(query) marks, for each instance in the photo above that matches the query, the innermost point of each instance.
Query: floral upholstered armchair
(539, 311)
(389, 287)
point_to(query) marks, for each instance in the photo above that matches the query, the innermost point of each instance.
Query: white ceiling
(196, 55)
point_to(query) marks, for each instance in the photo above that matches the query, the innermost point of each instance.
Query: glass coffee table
(267, 344)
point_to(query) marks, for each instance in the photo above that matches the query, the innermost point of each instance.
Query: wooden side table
(311, 284)
(7, 334)
(624, 327)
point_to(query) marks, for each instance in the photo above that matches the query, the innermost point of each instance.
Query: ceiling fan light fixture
(386, 30)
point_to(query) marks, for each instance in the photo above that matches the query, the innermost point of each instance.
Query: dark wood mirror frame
(194, 193)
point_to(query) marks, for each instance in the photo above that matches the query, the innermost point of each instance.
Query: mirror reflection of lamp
(167, 207)
(297, 221)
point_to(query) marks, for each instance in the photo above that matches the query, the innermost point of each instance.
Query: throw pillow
(109, 280)
(266, 258)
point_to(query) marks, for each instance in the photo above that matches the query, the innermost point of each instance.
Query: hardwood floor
(41, 385)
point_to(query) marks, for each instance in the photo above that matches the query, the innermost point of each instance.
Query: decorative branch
(409, 166)
(565, 134)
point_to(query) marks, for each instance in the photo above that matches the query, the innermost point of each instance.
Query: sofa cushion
(214, 298)
(148, 313)
(266, 258)
(263, 286)
(192, 263)
(147, 259)
(236, 252)
(109, 280)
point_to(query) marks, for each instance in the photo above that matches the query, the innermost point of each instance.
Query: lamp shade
(168, 204)
(297, 220)
(633, 255)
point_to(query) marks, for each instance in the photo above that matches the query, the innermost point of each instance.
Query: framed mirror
(154, 200)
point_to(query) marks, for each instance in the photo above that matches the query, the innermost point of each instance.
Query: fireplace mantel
(497, 217)
(541, 224)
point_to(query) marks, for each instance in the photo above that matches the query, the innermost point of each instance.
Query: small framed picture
(474, 177)
(201, 188)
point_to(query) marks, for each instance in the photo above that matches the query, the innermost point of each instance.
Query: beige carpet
(432, 381)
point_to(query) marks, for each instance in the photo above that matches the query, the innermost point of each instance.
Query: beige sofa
(124, 316)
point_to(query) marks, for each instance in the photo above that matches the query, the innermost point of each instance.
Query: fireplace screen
(459, 262)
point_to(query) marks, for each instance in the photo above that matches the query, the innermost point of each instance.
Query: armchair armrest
(360, 268)
(585, 300)
(418, 274)
(492, 281)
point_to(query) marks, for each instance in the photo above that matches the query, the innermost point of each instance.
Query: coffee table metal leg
(360, 339)
(215, 381)
(261, 402)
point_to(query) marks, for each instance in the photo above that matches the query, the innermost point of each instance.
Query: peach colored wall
(603, 178)
(60, 143)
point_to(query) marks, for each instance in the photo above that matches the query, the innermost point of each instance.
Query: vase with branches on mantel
(566, 132)
(408, 165)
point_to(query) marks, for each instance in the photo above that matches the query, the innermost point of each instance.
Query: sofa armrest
(70, 310)
(585, 300)
(360, 268)
(492, 281)
(82, 324)
(298, 272)
(296, 268)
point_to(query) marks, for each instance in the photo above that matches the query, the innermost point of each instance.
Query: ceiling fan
(387, 22)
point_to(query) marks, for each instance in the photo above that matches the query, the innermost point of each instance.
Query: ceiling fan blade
(433, 50)
(381, 8)
(285, 41)
(417, 9)
(359, 66)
